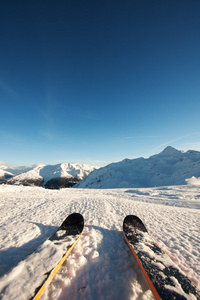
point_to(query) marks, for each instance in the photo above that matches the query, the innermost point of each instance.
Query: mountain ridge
(49, 176)
(169, 167)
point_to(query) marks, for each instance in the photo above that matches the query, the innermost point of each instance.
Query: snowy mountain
(49, 176)
(170, 167)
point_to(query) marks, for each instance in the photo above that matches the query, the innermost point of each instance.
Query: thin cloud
(173, 141)
(97, 163)
(9, 137)
(191, 146)
(182, 143)
(7, 89)
(143, 137)
(91, 116)
(48, 130)
(48, 134)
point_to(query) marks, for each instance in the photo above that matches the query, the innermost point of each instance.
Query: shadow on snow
(10, 257)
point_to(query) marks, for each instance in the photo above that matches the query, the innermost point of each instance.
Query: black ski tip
(135, 222)
(75, 219)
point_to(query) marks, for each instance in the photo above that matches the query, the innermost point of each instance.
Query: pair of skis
(164, 278)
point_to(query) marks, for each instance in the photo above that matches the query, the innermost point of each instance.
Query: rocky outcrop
(58, 183)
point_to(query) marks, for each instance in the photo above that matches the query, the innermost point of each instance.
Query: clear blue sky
(88, 81)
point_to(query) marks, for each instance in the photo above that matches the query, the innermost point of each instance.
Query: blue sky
(89, 81)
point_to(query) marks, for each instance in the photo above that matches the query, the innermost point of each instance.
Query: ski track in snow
(101, 266)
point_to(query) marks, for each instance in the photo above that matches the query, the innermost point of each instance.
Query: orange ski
(164, 277)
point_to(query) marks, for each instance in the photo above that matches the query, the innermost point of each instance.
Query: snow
(170, 167)
(193, 180)
(46, 172)
(101, 266)
(16, 170)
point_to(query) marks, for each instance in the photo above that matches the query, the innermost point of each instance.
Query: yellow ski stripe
(54, 271)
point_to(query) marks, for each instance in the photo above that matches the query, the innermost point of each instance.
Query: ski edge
(55, 270)
(153, 289)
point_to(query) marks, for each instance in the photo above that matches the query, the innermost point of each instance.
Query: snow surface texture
(170, 167)
(101, 266)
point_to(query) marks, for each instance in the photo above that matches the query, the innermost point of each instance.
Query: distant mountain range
(49, 176)
(170, 167)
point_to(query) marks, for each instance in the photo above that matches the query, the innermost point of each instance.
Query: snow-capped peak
(63, 174)
(170, 167)
(168, 151)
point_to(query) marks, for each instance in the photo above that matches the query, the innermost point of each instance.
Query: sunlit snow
(101, 266)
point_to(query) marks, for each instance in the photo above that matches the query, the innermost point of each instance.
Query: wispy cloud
(143, 137)
(91, 116)
(48, 130)
(190, 146)
(171, 142)
(10, 137)
(48, 134)
(7, 89)
(99, 163)
(184, 142)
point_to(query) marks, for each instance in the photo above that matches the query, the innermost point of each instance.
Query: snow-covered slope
(5, 174)
(170, 167)
(101, 266)
(47, 175)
